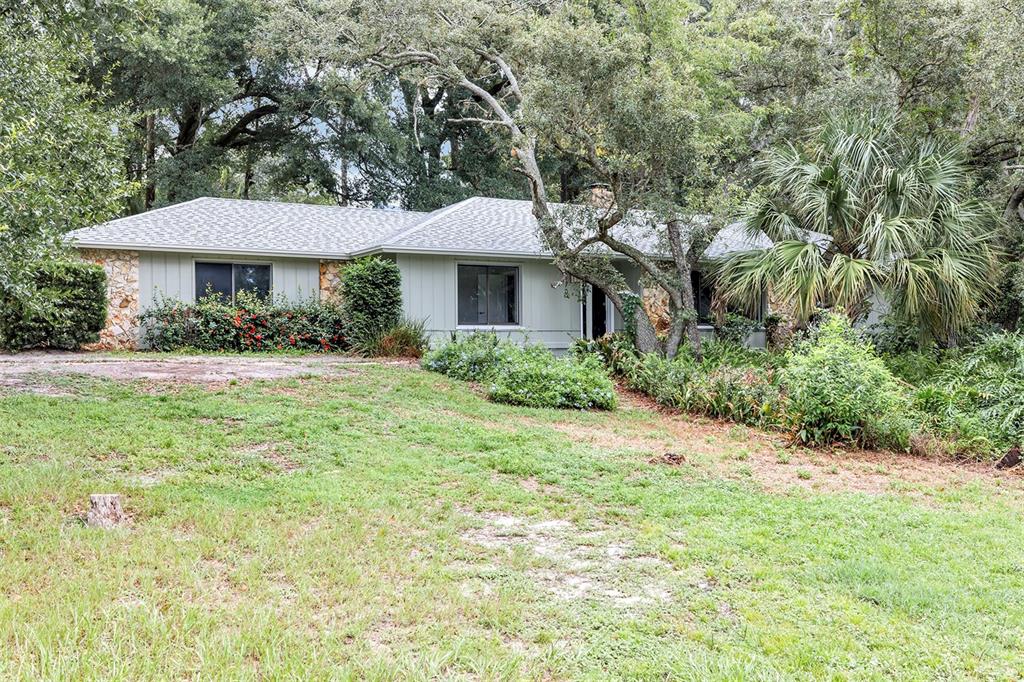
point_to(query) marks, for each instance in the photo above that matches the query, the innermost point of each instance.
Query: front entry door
(598, 313)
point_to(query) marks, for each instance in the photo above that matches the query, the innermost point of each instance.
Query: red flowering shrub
(248, 324)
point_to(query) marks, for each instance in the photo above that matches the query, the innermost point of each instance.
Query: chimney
(600, 196)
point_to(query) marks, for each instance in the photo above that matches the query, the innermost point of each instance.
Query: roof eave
(188, 248)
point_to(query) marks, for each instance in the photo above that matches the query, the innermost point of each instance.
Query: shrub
(978, 399)
(249, 324)
(534, 377)
(914, 367)
(718, 353)
(70, 308)
(371, 295)
(838, 389)
(475, 357)
(531, 376)
(735, 329)
(747, 395)
(406, 339)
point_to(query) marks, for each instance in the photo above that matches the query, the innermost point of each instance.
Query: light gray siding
(173, 275)
(429, 293)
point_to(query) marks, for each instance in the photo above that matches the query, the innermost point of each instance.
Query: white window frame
(232, 262)
(519, 297)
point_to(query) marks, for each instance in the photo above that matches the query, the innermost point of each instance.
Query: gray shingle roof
(507, 226)
(478, 225)
(246, 226)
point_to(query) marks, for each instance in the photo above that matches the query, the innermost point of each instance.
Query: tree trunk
(148, 171)
(684, 308)
(1015, 205)
(646, 340)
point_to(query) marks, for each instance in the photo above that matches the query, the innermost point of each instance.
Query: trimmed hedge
(249, 324)
(68, 309)
(371, 295)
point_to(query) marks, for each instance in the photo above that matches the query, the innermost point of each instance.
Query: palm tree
(864, 211)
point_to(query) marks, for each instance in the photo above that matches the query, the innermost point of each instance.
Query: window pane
(488, 294)
(215, 279)
(472, 294)
(501, 295)
(253, 278)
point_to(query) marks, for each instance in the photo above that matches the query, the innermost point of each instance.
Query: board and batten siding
(172, 275)
(546, 314)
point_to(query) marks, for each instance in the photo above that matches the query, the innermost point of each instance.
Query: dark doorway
(598, 313)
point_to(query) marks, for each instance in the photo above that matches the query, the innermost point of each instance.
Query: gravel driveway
(24, 369)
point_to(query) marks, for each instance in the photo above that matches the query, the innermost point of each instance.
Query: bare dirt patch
(571, 563)
(768, 459)
(274, 453)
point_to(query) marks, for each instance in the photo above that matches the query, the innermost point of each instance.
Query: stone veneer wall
(330, 280)
(122, 268)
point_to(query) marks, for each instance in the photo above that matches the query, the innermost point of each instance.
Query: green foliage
(898, 215)
(735, 329)
(893, 336)
(914, 367)
(536, 378)
(979, 399)
(371, 295)
(60, 162)
(407, 339)
(730, 382)
(70, 309)
(249, 324)
(474, 357)
(747, 395)
(530, 376)
(838, 389)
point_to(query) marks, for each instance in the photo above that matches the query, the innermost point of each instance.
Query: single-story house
(475, 265)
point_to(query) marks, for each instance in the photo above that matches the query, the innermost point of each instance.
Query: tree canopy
(60, 152)
(668, 106)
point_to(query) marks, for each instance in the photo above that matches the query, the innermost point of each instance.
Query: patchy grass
(390, 524)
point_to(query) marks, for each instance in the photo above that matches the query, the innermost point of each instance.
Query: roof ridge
(304, 204)
(144, 213)
(430, 217)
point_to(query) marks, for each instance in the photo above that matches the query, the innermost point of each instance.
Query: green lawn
(391, 524)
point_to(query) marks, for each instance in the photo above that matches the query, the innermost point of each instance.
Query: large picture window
(488, 295)
(226, 280)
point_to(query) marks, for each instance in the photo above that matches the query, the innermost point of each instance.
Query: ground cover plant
(976, 398)
(384, 522)
(524, 375)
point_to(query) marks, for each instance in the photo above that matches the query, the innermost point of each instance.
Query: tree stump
(1010, 459)
(105, 511)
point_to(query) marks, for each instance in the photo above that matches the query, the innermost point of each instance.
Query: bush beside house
(67, 309)
(524, 375)
(368, 320)
(371, 299)
(832, 386)
(249, 324)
